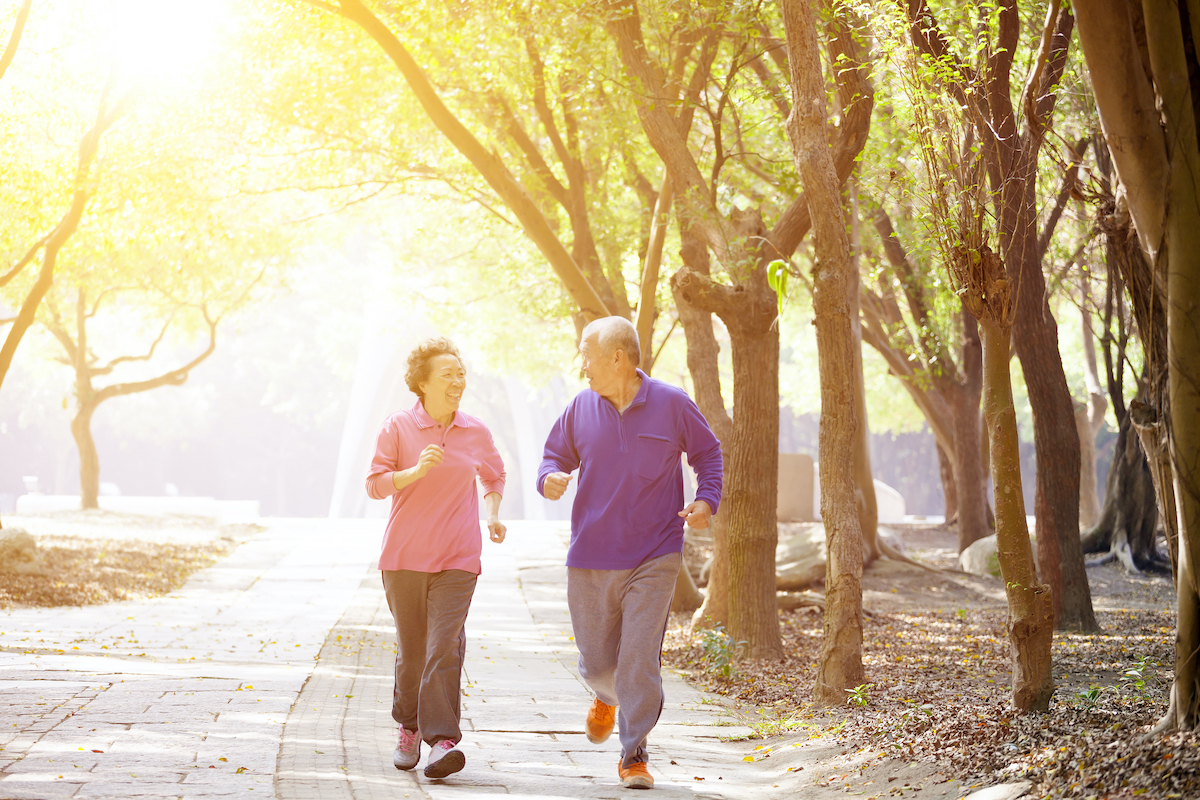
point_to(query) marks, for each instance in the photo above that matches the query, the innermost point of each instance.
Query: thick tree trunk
(89, 458)
(1183, 347)
(1170, 41)
(839, 665)
(1129, 520)
(752, 532)
(1030, 609)
(964, 399)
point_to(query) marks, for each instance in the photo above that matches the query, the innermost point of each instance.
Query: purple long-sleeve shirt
(630, 489)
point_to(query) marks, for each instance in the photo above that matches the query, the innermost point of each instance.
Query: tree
(52, 243)
(1127, 526)
(946, 393)
(1147, 52)
(839, 666)
(954, 188)
(743, 246)
(1011, 153)
(163, 255)
(87, 368)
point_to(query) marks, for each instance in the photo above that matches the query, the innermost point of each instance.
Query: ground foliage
(939, 692)
(80, 571)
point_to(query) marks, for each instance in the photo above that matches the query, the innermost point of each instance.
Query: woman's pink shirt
(434, 524)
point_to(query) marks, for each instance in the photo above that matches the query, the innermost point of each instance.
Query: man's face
(446, 383)
(599, 367)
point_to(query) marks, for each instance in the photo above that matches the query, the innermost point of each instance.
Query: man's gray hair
(616, 333)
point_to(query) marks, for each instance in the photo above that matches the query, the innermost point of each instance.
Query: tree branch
(175, 377)
(108, 368)
(1069, 182)
(489, 165)
(662, 128)
(14, 38)
(532, 155)
(857, 95)
(703, 292)
(25, 260)
(88, 146)
(647, 306)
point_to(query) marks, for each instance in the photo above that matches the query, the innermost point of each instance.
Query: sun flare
(164, 40)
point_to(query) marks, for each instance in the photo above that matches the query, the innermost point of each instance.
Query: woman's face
(443, 389)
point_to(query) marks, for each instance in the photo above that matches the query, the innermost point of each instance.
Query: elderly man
(625, 435)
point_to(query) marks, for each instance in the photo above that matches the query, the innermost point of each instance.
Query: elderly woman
(427, 459)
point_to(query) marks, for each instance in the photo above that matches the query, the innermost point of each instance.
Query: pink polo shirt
(434, 524)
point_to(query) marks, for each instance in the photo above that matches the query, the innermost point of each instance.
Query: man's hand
(430, 457)
(696, 515)
(555, 484)
(496, 530)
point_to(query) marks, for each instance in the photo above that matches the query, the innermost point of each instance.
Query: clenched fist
(555, 484)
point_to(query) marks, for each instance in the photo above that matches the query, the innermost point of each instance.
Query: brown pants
(430, 610)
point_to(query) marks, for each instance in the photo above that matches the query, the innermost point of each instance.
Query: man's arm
(559, 459)
(704, 457)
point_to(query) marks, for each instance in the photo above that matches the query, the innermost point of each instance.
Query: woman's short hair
(417, 370)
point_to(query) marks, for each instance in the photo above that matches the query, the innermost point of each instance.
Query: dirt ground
(935, 699)
(92, 557)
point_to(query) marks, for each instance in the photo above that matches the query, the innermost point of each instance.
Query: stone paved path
(270, 675)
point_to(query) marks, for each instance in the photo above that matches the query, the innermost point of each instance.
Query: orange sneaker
(600, 718)
(636, 777)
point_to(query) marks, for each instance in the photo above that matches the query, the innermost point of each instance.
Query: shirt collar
(425, 421)
(640, 398)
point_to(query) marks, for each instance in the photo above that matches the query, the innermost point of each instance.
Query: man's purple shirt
(630, 488)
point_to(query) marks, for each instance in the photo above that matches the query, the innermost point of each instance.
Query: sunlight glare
(165, 41)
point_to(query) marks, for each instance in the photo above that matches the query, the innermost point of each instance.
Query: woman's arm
(430, 457)
(496, 528)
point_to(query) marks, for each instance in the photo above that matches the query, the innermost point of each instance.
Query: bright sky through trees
(165, 41)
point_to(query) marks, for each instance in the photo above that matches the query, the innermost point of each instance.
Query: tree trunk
(1129, 520)
(839, 665)
(1183, 345)
(702, 360)
(1152, 433)
(1085, 427)
(89, 459)
(1030, 609)
(1056, 442)
(752, 531)
(964, 399)
(1170, 41)
(949, 488)
(1089, 419)
(687, 597)
(864, 475)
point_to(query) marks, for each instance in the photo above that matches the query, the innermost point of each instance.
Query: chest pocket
(654, 455)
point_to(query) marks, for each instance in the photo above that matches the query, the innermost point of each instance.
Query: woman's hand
(496, 528)
(430, 457)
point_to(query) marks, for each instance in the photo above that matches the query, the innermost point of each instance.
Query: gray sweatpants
(620, 617)
(430, 610)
